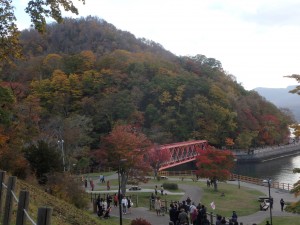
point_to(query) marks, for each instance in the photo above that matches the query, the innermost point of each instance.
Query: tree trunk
(124, 179)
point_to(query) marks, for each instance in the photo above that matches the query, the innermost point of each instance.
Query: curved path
(142, 212)
(195, 193)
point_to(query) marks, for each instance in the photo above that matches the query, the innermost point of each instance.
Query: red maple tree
(124, 149)
(156, 156)
(215, 164)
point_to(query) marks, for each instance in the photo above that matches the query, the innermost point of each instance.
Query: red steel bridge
(182, 152)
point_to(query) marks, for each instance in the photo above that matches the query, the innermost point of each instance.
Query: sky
(257, 41)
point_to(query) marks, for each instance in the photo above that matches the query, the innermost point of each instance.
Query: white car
(135, 188)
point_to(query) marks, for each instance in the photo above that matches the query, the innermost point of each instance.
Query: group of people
(104, 205)
(161, 190)
(92, 185)
(186, 212)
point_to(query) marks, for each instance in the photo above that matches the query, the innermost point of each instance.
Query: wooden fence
(257, 181)
(191, 174)
(44, 213)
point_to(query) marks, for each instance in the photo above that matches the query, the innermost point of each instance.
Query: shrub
(140, 221)
(170, 186)
(68, 188)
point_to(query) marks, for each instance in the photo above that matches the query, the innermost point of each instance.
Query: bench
(264, 205)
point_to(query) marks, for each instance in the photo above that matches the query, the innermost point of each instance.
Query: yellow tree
(38, 10)
(9, 34)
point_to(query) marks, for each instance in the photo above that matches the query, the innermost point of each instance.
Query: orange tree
(215, 164)
(124, 149)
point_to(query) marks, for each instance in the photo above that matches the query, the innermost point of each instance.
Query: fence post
(9, 200)
(2, 177)
(23, 205)
(44, 216)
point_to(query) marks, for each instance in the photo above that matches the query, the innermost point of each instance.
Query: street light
(119, 192)
(237, 171)
(61, 143)
(268, 181)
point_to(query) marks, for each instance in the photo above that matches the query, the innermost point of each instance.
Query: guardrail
(252, 180)
(257, 181)
(22, 216)
(184, 173)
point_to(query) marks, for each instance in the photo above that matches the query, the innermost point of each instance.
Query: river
(280, 170)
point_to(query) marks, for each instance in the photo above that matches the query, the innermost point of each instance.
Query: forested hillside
(85, 76)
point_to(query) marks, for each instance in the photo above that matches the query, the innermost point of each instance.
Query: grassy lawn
(244, 201)
(287, 220)
(143, 198)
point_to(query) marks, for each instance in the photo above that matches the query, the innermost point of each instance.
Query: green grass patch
(283, 220)
(244, 200)
(144, 199)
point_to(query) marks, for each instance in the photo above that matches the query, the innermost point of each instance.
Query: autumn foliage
(156, 156)
(213, 163)
(125, 147)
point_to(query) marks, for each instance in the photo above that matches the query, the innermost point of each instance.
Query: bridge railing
(177, 173)
(44, 213)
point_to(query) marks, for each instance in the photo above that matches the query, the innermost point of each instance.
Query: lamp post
(119, 192)
(268, 181)
(61, 143)
(237, 171)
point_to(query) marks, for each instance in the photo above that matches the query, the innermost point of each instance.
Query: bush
(170, 186)
(140, 221)
(67, 188)
(293, 207)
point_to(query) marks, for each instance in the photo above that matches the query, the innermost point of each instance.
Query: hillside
(63, 212)
(282, 98)
(84, 76)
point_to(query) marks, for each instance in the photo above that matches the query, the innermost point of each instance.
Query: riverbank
(267, 154)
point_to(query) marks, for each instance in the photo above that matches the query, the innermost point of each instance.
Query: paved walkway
(277, 194)
(196, 193)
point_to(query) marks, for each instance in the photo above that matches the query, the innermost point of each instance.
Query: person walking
(234, 216)
(282, 204)
(85, 182)
(124, 203)
(129, 205)
(116, 200)
(108, 185)
(162, 190)
(92, 184)
(157, 206)
(183, 217)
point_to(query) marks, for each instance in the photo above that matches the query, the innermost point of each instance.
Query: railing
(44, 213)
(252, 180)
(177, 173)
(257, 181)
